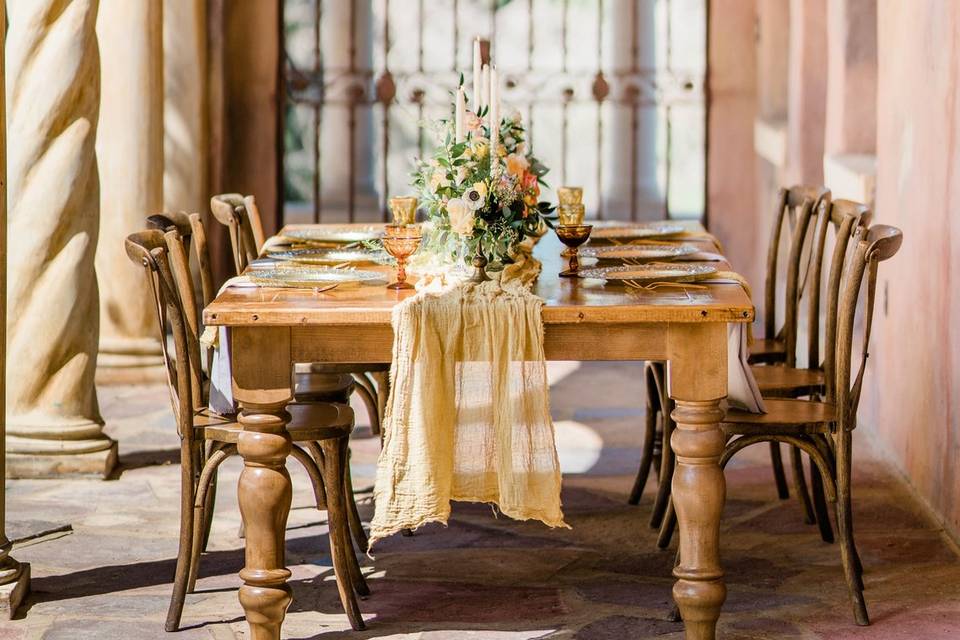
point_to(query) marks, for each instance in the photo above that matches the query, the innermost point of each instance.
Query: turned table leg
(264, 493)
(698, 375)
(262, 383)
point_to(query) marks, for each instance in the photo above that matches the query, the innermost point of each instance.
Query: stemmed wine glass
(401, 241)
(573, 235)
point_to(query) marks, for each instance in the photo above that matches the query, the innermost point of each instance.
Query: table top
(567, 300)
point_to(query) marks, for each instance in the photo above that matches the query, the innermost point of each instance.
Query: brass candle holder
(404, 209)
(401, 241)
(570, 195)
(573, 235)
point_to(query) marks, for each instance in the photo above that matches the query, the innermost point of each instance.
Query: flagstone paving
(482, 577)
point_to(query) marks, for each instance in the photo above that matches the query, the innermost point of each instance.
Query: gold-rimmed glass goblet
(570, 195)
(573, 235)
(404, 209)
(401, 242)
(570, 214)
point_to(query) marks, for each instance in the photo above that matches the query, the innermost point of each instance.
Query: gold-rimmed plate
(640, 251)
(335, 233)
(326, 256)
(302, 278)
(631, 231)
(653, 272)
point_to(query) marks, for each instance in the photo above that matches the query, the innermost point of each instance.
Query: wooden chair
(242, 217)
(207, 439)
(823, 428)
(307, 387)
(795, 208)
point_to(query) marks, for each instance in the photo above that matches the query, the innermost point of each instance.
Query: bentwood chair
(795, 208)
(241, 216)
(307, 387)
(207, 439)
(823, 428)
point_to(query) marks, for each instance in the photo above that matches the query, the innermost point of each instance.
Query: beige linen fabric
(468, 416)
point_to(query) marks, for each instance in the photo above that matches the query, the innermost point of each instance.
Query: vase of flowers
(481, 186)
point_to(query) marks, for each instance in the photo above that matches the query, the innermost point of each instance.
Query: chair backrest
(795, 207)
(163, 258)
(845, 217)
(871, 246)
(241, 216)
(193, 233)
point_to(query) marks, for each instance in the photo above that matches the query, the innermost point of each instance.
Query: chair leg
(334, 451)
(356, 525)
(848, 549)
(667, 527)
(182, 574)
(646, 454)
(367, 392)
(779, 476)
(800, 485)
(203, 509)
(820, 503)
(666, 471)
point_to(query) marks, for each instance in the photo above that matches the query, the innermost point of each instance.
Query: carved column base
(14, 586)
(38, 448)
(129, 361)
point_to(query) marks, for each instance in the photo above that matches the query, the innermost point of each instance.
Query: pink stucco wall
(913, 401)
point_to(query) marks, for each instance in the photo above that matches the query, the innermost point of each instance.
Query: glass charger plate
(653, 272)
(314, 255)
(335, 233)
(615, 230)
(313, 278)
(640, 251)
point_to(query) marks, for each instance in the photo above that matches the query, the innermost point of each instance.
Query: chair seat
(783, 415)
(316, 421)
(323, 387)
(780, 381)
(766, 350)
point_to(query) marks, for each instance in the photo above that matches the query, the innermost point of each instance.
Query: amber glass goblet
(570, 195)
(573, 235)
(401, 242)
(404, 209)
(570, 214)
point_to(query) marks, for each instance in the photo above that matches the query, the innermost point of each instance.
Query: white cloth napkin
(221, 379)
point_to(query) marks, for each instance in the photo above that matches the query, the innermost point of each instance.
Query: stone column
(184, 106)
(806, 91)
(14, 577)
(53, 421)
(849, 162)
(130, 158)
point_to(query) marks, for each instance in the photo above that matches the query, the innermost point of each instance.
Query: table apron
(369, 343)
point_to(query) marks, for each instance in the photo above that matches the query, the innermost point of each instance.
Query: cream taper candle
(477, 78)
(461, 116)
(494, 114)
(484, 88)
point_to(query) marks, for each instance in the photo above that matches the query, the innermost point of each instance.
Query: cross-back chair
(207, 439)
(795, 209)
(823, 428)
(241, 216)
(307, 387)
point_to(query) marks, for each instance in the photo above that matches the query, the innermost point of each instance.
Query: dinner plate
(625, 230)
(335, 233)
(653, 272)
(314, 277)
(314, 255)
(640, 251)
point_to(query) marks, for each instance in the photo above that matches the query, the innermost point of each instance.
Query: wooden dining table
(272, 329)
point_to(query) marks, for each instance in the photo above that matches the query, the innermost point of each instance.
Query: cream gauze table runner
(468, 416)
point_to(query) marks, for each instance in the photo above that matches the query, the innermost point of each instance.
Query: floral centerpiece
(481, 186)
